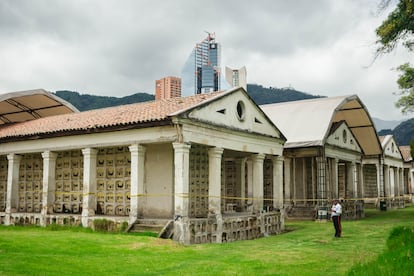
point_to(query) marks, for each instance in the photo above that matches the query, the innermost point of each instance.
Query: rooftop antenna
(211, 36)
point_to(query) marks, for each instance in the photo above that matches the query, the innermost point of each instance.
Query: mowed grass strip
(309, 249)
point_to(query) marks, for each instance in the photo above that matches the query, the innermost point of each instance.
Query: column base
(181, 230)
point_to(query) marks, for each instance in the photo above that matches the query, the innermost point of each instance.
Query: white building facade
(328, 142)
(210, 165)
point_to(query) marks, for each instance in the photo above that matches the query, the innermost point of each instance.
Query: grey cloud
(120, 47)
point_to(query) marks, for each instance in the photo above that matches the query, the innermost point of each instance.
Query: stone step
(146, 228)
(148, 225)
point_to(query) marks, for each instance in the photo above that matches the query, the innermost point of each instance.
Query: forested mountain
(263, 95)
(403, 133)
(260, 94)
(86, 102)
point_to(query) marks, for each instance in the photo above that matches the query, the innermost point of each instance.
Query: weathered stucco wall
(159, 181)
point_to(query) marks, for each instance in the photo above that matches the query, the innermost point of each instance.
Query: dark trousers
(337, 224)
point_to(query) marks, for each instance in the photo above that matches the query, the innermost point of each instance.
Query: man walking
(336, 212)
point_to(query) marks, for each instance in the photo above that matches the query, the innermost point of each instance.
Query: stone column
(402, 186)
(411, 190)
(137, 181)
(354, 180)
(380, 180)
(12, 186)
(258, 160)
(288, 170)
(335, 178)
(361, 178)
(294, 182)
(181, 196)
(277, 182)
(241, 178)
(392, 181)
(249, 202)
(89, 184)
(49, 185)
(387, 188)
(214, 189)
(321, 173)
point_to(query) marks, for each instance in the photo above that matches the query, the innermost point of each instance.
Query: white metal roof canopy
(357, 117)
(307, 123)
(32, 104)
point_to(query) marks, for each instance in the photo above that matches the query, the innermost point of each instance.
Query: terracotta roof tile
(144, 112)
(406, 153)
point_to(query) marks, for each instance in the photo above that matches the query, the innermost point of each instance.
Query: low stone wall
(396, 203)
(233, 228)
(390, 202)
(22, 219)
(352, 209)
(60, 219)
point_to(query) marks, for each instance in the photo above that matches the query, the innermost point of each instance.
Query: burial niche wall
(69, 182)
(30, 183)
(229, 186)
(268, 184)
(113, 177)
(3, 182)
(198, 181)
(370, 181)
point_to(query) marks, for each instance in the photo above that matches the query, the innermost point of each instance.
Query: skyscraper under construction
(202, 71)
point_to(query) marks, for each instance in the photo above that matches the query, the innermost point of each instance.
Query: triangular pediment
(341, 136)
(391, 149)
(237, 111)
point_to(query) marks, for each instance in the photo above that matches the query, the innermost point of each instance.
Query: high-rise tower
(168, 87)
(202, 71)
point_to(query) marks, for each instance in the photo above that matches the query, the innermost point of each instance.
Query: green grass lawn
(310, 249)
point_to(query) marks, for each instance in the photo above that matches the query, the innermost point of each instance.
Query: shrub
(397, 259)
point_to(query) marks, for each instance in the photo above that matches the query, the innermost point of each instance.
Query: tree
(399, 28)
(406, 85)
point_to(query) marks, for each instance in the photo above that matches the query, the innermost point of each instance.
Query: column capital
(47, 154)
(181, 146)
(215, 151)
(320, 159)
(258, 157)
(89, 151)
(14, 157)
(277, 159)
(137, 148)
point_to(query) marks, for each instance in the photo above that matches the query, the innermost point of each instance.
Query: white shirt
(336, 210)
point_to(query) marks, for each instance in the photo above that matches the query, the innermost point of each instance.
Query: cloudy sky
(117, 48)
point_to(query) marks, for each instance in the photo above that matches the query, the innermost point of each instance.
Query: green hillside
(263, 95)
(85, 102)
(260, 94)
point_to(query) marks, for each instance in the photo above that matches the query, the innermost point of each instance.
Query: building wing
(307, 123)
(100, 120)
(390, 147)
